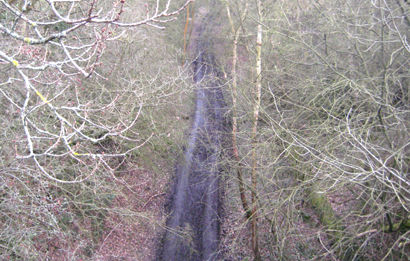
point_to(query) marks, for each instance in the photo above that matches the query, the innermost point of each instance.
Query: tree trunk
(258, 87)
(185, 32)
(234, 92)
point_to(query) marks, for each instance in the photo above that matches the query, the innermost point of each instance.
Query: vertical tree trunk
(258, 87)
(185, 32)
(234, 92)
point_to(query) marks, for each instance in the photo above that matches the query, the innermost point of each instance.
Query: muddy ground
(193, 227)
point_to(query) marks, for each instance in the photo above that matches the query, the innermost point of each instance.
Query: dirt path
(193, 226)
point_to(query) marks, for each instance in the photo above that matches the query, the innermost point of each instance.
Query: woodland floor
(135, 238)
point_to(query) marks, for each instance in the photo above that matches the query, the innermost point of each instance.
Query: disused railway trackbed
(193, 225)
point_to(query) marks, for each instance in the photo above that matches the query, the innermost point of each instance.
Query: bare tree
(256, 109)
(67, 123)
(236, 31)
(332, 129)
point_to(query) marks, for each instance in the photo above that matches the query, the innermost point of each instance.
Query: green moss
(320, 204)
(406, 223)
(326, 214)
(323, 208)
